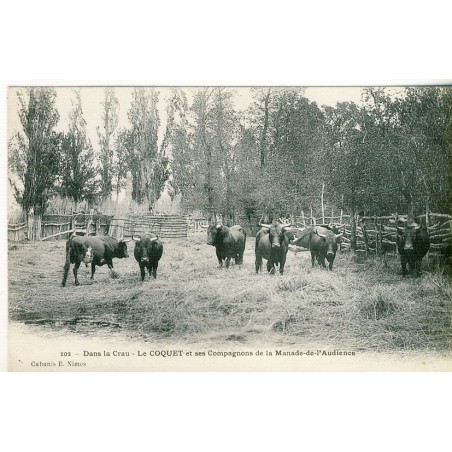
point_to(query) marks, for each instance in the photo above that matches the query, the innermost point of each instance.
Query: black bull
(413, 243)
(97, 250)
(322, 242)
(229, 242)
(148, 251)
(272, 243)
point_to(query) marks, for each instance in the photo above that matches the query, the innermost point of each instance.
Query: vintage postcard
(229, 228)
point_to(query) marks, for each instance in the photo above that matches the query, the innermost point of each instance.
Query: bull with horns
(272, 244)
(229, 242)
(148, 251)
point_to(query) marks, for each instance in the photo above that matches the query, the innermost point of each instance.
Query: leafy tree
(176, 145)
(109, 123)
(78, 168)
(34, 152)
(120, 167)
(425, 145)
(149, 168)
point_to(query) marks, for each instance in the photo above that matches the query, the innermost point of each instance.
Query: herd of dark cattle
(272, 244)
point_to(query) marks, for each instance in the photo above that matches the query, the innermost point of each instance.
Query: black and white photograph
(218, 228)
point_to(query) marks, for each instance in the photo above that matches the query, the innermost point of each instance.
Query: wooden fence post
(376, 235)
(353, 230)
(362, 223)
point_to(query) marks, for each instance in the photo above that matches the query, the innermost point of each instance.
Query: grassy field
(363, 305)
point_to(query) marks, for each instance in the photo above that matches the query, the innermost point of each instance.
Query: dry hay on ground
(364, 304)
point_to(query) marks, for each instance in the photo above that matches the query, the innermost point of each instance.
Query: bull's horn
(318, 233)
(262, 225)
(284, 222)
(338, 236)
(153, 239)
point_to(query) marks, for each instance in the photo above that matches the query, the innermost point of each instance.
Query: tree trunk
(263, 140)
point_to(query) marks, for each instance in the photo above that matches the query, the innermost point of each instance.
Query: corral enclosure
(364, 304)
(374, 235)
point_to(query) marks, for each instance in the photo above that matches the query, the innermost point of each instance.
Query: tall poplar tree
(34, 151)
(78, 169)
(110, 107)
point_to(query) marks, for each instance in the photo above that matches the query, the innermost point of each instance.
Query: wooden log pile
(165, 226)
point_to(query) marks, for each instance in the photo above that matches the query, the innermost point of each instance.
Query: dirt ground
(364, 305)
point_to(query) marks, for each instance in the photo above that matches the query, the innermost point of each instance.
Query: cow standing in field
(148, 251)
(322, 242)
(413, 243)
(272, 243)
(229, 242)
(97, 250)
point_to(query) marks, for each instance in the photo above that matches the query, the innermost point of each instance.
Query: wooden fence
(378, 235)
(17, 232)
(165, 226)
(373, 234)
(59, 227)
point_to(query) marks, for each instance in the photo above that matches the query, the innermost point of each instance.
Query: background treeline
(277, 157)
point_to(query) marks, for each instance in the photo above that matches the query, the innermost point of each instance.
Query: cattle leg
(143, 272)
(270, 267)
(281, 265)
(330, 262)
(228, 261)
(66, 271)
(110, 267)
(220, 259)
(258, 264)
(416, 267)
(76, 266)
(322, 261)
(154, 271)
(313, 258)
(403, 261)
(93, 269)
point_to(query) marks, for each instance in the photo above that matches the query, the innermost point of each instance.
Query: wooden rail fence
(165, 226)
(374, 234)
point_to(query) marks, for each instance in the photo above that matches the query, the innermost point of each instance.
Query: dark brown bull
(272, 244)
(413, 243)
(229, 242)
(322, 242)
(97, 250)
(148, 251)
